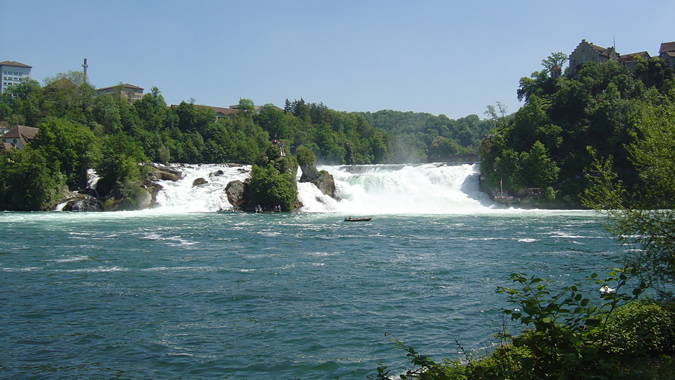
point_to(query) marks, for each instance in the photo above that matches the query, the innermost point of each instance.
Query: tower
(84, 66)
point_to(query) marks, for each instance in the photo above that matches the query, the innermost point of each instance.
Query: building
(18, 137)
(587, 52)
(630, 60)
(667, 53)
(130, 92)
(11, 74)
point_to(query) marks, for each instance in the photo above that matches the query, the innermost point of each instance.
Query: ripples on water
(267, 296)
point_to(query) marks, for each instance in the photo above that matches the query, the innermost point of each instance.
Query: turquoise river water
(165, 294)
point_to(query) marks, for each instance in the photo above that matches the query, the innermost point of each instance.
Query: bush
(567, 336)
(642, 328)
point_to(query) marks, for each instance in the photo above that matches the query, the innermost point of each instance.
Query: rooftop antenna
(85, 70)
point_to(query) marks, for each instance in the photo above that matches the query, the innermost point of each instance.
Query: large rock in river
(321, 179)
(86, 203)
(164, 173)
(238, 194)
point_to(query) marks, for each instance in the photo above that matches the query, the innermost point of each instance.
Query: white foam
(400, 189)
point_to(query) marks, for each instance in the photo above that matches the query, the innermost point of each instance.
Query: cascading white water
(404, 189)
(186, 196)
(363, 189)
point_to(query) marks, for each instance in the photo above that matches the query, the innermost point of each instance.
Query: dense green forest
(80, 130)
(565, 122)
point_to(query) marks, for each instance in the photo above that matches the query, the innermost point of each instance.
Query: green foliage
(421, 137)
(273, 180)
(644, 217)
(26, 182)
(119, 167)
(601, 107)
(270, 188)
(305, 157)
(642, 328)
(567, 335)
(68, 148)
(555, 59)
(538, 170)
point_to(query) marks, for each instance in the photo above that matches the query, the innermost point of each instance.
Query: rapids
(364, 189)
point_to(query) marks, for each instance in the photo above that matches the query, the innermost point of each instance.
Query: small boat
(350, 219)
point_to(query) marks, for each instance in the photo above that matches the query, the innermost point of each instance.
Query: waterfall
(187, 195)
(407, 189)
(363, 189)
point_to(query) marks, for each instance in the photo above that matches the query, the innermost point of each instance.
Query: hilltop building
(630, 60)
(130, 92)
(11, 74)
(667, 53)
(588, 52)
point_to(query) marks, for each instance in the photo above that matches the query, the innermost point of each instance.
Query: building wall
(12, 76)
(586, 52)
(131, 93)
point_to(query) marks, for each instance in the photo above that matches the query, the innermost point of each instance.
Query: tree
(26, 182)
(270, 188)
(645, 217)
(119, 166)
(69, 148)
(305, 157)
(537, 169)
(555, 59)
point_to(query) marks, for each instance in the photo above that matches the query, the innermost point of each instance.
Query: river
(181, 291)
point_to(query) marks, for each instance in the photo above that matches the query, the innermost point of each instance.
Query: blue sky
(440, 57)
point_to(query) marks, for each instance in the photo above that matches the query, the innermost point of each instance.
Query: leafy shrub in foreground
(567, 336)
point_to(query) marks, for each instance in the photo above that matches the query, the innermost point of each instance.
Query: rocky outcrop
(326, 184)
(164, 173)
(83, 203)
(238, 194)
(321, 179)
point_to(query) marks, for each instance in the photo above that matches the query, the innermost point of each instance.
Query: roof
(15, 64)
(21, 132)
(125, 85)
(667, 47)
(631, 57)
(601, 50)
(222, 110)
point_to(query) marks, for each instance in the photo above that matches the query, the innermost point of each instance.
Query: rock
(153, 188)
(326, 184)
(309, 174)
(199, 181)
(163, 173)
(321, 179)
(238, 194)
(84, 204)
(217, 174)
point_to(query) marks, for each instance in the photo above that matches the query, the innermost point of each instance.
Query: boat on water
(350, 219)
